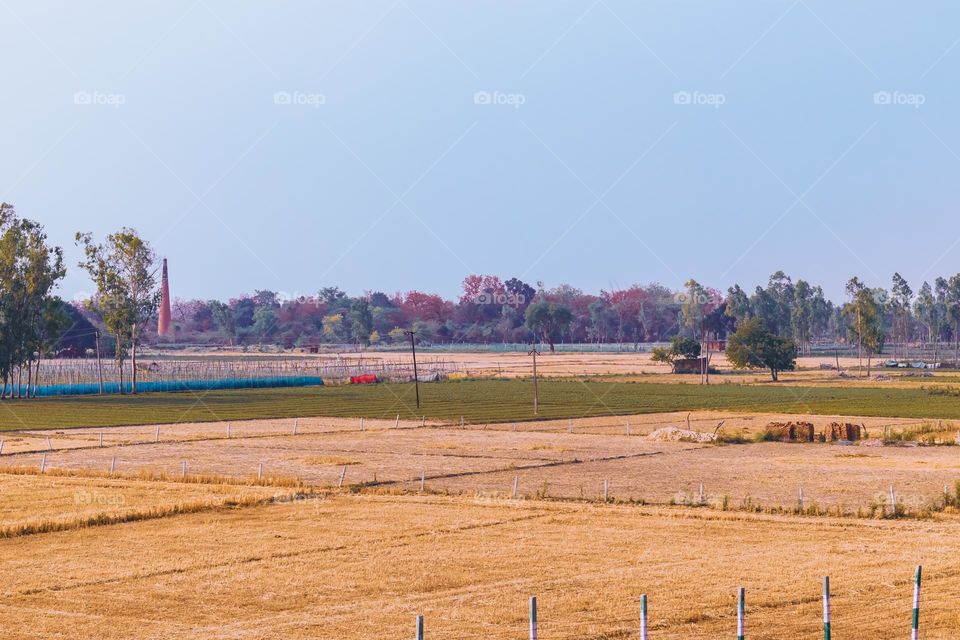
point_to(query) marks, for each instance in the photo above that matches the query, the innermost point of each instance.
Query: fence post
(296, 423)
(516, 481)
(423, 479)
(260, 471)
(228, 431)
(49, 446)
(702, 495)
(361, 424)
(801, 499)
(156, 436)
(826, 607)
(43, 463)
(101, 438)
(533, 617)
(396, 424)
(741, 596)
(606, 490)
(643, 617)
(1, 447)
(915, 633)
(113, 464)
(419, 627)
(893, 501)
(343, 475)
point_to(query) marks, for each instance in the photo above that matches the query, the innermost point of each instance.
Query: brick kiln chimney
(163, 322)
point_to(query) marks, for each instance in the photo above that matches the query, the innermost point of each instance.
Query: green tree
(225, 320)
(953, 313)
(361, 320)
(802, 314)
(864, 316)
(265, 321)
(738, 304)
(548, 319)
(683, 347)
(29, 271)
(900, 302)
(753, 346)
(123, 270)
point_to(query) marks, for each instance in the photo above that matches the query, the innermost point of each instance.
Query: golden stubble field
(145, 553)
(365, 566)
(560, 459)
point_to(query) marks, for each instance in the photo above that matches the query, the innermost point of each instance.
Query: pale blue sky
(400, 180)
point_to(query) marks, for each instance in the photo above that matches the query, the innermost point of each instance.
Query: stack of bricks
(843, 431)
(792, 431)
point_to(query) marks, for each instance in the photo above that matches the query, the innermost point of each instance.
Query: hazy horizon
(403, 145)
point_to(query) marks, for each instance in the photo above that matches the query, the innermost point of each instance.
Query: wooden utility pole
(416, 378)
(536, 391)
(99, 364)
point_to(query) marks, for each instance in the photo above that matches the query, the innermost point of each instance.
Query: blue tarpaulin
(171, 385)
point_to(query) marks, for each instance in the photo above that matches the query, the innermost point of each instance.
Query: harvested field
(37, 503)
(363, 567)
(566, 459)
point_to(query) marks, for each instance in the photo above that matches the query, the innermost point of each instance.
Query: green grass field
(479, 401)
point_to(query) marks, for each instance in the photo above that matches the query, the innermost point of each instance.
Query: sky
(403, 144)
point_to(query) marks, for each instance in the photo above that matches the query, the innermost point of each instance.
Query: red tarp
(367, 379)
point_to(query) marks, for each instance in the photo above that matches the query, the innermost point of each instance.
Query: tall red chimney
(163, 321)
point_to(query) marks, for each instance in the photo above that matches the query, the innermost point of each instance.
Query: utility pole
(536, 391)
(416, 378)
(99, 365)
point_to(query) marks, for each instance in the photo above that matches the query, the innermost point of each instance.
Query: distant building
(163, 320)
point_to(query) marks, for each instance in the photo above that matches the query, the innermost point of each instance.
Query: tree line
(492, 310)
(35, 323)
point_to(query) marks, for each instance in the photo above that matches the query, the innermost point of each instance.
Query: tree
(549, 319)
(864, 314)
(925, 308)
(264, 321)
(225, 320)
(753, 346)
(802, 314)
(122, 268)
(361, 320)
(900, 301)
(738, 304)
(29, 271)
(953, 313)
(683, 347)
(694, 307)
